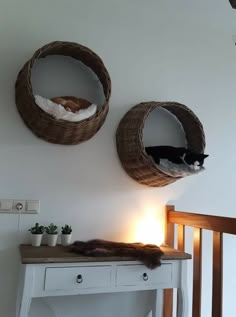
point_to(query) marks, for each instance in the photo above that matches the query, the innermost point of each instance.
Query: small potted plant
(66, 234)
(52, 234)
(36, 234)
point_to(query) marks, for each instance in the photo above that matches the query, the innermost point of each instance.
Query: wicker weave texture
(129, 140)
(43, 124)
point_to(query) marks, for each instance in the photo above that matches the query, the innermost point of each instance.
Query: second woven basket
(129, 140)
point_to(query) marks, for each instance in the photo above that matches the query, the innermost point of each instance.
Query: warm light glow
(150, 229)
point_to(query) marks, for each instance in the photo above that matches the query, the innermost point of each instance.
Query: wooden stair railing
(219, 226)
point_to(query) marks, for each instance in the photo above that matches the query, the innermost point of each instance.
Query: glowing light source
(150, 229)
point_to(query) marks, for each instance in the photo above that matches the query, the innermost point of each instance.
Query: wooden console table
(53, 271)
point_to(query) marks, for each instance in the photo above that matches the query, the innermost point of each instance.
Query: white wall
(154, 50)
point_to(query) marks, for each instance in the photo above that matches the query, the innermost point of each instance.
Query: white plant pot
(66, 239)
(36, 239)
(52, 240)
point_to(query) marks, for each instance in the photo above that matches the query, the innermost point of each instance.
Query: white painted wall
(154, 50)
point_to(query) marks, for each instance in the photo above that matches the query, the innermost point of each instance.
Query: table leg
(182, 292)
(24, 294)
(158, 309)
(24, 307)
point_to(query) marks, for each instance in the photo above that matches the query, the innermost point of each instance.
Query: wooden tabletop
(60, 254)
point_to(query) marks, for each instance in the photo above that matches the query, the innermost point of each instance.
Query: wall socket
(15, 206)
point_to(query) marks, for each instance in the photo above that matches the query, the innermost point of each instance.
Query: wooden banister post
(217, 285)
(181, 237)
(197, 272)
(169, 228)
(169, 240)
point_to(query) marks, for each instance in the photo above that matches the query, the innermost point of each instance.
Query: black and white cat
(177, 155)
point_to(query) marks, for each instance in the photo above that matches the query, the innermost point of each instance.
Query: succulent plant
(66, 229)
(37, 229)
(51, 229)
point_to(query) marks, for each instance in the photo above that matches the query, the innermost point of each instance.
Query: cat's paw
(196, 166)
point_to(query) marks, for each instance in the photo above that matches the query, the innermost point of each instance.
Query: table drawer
(69, 278)
(139, 274)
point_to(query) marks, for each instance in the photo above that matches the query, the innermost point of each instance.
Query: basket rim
(163, 105)
(146, 161)
(63, 44)
(43, 124)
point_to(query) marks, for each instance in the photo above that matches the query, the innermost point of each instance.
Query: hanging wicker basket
(129, 140)
(43, 124)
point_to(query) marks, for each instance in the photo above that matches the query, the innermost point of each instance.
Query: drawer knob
(79, 278)
(145, 276)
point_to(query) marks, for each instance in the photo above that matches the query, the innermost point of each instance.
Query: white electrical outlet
(17, 206)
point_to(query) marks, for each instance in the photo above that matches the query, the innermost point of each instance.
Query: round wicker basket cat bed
(133, 157)
(43, 124)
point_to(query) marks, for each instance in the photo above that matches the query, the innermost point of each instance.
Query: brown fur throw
(149, 254)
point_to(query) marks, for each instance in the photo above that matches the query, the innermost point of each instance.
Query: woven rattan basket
(43, 124)
(130, 146)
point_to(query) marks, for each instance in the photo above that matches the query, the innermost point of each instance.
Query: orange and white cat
(71, 103)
